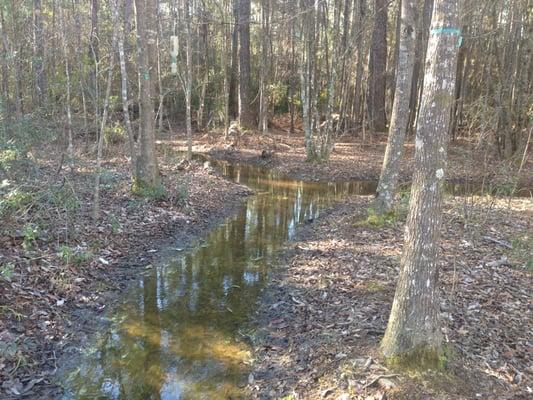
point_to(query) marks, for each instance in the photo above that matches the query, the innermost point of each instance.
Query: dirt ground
(321, 318)
(67, 270)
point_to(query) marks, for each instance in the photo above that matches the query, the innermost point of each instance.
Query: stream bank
(63, 280)
(323, 314)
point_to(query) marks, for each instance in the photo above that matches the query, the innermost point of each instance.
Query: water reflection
(175, 335)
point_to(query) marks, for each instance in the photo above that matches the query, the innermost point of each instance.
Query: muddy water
(177, 333)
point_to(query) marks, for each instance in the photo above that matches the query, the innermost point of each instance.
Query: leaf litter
(320, 320)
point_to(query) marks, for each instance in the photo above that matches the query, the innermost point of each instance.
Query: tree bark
(413, 331)
(400, 109)
(124, 89)
(234, 72)
(94, 55)
(245, 114)
(263, 95)
(38, 54)
(147, 173)
(96, 202)
(68, 85)
(188, 78)
(377, 69)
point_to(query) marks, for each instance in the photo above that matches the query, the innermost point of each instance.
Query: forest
(266, 199)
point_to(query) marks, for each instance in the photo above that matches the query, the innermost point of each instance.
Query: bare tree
(68, 104)
(377, 68)
(147, 172)
(245, 113)
(124, 86)
(38, 53)
(188, 78)
(413, 331)
(96, 202)
(400, 109)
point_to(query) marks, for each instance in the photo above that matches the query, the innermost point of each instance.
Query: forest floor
(320, 320)
(352, 159)
(60, 269)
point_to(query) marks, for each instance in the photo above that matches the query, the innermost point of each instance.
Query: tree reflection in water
(175, 335)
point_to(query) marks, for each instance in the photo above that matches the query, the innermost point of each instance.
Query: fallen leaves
(76, 267)
(321, 319)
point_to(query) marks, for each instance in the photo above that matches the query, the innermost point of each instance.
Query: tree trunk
(377, 68)
(420, 56)
(400, 109)
(263, 95)
(5, 107)
(188, 78)
(67, 75)
(96, 202)
(38, 54)
(94, 55)
(359, 69)
(245, 114)
(234, 73)
(124, 90)
(147, 173)
(16, 62)
(413, 332)
(204, 55)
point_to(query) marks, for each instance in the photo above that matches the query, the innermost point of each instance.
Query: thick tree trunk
(400, 109)
(245, 113)
(413, 332)
(377, 68)
(147, 173)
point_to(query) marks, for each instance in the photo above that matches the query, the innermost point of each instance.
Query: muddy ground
(61, 270)
(320, 320)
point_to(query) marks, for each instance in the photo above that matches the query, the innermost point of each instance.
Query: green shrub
(522, 252)
(114, 133)
(14, 200)
(73, 256)
(182, 193)
(379, 220)
(6, 271)
(30, 233)
(141, 189)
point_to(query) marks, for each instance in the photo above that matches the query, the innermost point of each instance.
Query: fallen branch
(500, 242)
(377, 378)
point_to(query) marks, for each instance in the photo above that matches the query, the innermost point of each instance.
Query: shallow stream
(178, 332)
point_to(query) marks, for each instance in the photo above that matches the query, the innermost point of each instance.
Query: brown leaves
(323, 318)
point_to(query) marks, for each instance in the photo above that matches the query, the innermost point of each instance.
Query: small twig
(501, 243)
